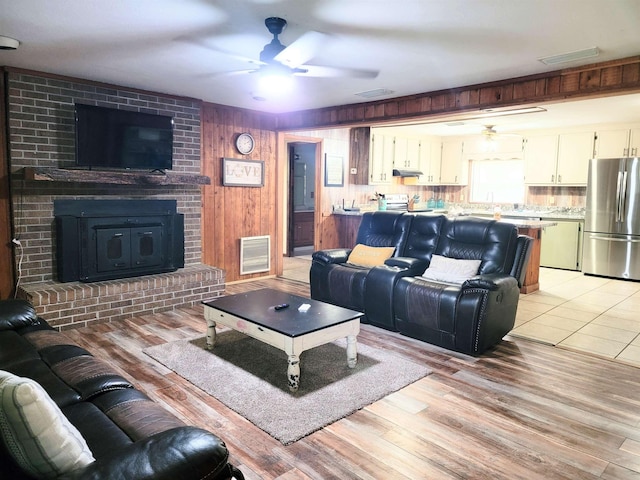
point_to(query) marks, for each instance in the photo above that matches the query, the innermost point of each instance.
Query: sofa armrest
(415, 265)
(180, 453)
(491, 282)
(521, 261)
(334, 255)
(17, 313)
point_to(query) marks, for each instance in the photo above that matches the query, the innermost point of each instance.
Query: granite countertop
(527, 223)
(544, 214)
(360, 212)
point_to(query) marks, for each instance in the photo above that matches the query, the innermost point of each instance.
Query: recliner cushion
(36, 433)
(452, 270)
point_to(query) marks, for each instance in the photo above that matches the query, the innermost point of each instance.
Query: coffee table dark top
(257, 307)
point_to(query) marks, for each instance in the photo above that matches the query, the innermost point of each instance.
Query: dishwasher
(561, 245)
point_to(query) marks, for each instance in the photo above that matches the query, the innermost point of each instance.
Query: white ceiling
(187, 47)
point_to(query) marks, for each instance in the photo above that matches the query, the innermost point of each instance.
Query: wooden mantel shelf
(52, 174)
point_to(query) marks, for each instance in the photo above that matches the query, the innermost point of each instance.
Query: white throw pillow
(35, 432)
(452, 270)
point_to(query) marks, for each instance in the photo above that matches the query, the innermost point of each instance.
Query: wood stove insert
(110, 239)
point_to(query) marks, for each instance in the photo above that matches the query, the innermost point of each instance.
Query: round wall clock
(245, 143)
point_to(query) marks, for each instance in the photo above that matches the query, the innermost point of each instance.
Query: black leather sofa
(129, 435)
(469, 315)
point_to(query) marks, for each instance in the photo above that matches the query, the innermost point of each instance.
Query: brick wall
(42, 134)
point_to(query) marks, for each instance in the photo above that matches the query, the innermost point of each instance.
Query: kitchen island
(349, 221)
(532, 228)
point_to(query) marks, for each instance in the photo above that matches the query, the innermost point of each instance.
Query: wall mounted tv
(122, 139)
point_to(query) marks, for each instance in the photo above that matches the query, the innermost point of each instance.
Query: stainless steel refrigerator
(612, 221)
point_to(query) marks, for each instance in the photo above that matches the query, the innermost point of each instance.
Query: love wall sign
(242, 173)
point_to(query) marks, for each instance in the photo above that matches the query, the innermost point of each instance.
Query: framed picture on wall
(242, 173)
(333, 171)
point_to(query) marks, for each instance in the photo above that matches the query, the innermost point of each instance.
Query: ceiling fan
(490, 133)
(278, 59)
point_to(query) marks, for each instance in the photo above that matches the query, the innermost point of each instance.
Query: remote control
(281, 306)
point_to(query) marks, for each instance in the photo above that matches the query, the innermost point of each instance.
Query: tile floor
(596, 315)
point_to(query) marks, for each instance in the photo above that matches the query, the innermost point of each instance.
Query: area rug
(249, 377)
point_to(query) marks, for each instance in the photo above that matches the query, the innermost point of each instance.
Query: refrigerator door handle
(613, 239)
(618, 197)
(623, 200)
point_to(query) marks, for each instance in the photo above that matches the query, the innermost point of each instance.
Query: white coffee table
(290, 330)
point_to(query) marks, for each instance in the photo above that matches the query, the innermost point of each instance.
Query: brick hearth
(75, 304)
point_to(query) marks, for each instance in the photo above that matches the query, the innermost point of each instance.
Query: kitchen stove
(397, 201)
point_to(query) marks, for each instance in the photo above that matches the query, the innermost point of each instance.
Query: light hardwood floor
(524, 410)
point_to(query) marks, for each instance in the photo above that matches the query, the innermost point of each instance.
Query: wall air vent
(255, 254)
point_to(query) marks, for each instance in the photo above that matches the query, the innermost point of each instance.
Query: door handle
(613, 239)
(618, 197)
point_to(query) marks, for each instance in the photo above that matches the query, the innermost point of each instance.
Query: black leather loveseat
(66, 414)
(453, 282)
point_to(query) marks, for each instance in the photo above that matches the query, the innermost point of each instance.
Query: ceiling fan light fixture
(570, 56)
(274, 78)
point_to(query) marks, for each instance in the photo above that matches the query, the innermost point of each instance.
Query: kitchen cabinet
(574, 152)
(429, 161)
(540, 159)
(624, 142)
(561, 245)
(371, 157)
(453, 169)
(561, 159)
(381, 159)
(406, 153)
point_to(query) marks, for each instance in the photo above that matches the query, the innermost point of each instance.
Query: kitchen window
(497, 181)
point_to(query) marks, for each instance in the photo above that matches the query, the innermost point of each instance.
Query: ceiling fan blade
(320, 71)
(302, 50)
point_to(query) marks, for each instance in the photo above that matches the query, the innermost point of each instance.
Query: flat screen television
(121, 139)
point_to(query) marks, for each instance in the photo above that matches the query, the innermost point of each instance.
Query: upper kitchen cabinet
(429, 164)
(623, 142)
(371, 157)
(406, 153)
(381, 159)
(574, 152)
(558, 159)
(453, 167)
(540, 159)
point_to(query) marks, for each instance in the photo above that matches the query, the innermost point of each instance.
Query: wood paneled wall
(606, 78)
(230, 213)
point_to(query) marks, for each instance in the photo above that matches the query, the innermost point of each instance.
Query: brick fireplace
(41, 131)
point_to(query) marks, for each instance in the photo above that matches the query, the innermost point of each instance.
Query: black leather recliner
(340, 283)
(129, 435)
(470, 316)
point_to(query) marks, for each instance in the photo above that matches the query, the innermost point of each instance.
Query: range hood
(397, 172)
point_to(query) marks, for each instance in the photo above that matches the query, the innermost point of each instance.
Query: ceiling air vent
(378, 92)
